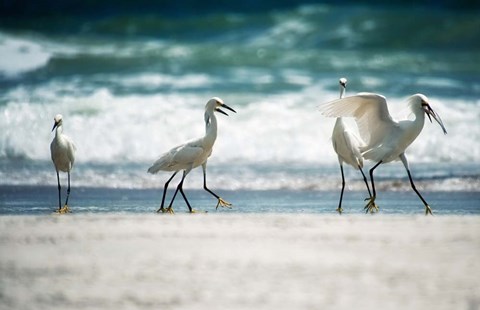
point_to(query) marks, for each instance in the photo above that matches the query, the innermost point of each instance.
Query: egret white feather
(62, 151)
(347, 146)
(386, 139)
(192, 154)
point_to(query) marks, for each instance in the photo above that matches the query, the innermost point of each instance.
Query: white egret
(62, 150)
(386, 139)
(347, 146)
(191, 155)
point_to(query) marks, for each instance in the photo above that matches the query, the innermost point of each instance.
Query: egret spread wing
(370, 112)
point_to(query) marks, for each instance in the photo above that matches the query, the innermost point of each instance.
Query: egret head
(422, 101)
(58, 121)
(215, 104)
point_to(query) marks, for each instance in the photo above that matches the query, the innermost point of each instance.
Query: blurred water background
(132, 78)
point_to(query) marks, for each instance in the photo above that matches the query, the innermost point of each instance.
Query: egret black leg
(220, 202)
(339, 209)
(59, 192)
(366, 181)
(169, 209)
(371, 178)
(428, 210)
(180, 188)
(371, 206)
(185, 197)
(68, 189)
(165, 187)
(415, 189)
(205, 186)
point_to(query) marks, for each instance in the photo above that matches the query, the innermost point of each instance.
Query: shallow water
(28, 200)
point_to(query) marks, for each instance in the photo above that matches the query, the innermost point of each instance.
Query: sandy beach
(239, 261)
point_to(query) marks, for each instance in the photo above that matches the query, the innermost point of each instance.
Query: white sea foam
(19, 55)
(273, 142)
(278, 128)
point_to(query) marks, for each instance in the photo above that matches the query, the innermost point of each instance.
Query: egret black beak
(55, 125)
(226, 107)
(431, 113)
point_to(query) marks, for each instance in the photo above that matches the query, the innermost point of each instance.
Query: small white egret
(62, 150)
(347, 146)
(191, 155)
(386, 139)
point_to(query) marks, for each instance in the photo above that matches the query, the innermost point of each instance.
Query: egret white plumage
(347, 146)
(191, 155)
(386, 139)
(62, 151)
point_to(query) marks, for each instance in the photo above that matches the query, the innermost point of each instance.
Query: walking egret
(191, 155)
(62, 150)
(347, 146)
(386, 139)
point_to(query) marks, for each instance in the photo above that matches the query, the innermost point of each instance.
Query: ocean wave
(132, 87)
(277, 128)
(238, 175)
(20, 55)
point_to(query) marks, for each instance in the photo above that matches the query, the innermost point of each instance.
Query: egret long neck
(419, 120)
(338, 122)
(412, 128)
(210, 129)
(58, 132)
(339, 119)
(342, 92)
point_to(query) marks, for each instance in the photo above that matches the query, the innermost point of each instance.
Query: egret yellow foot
(339, 210)
(223, 203)
(63, 210)
(167, 210)
(371, 206)
(428, 210)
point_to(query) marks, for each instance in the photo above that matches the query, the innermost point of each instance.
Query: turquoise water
(40, 200)
(132, 83)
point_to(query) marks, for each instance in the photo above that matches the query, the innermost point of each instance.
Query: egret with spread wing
(191, 155)
(62, 150)
(386, 139)
(347, 146)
